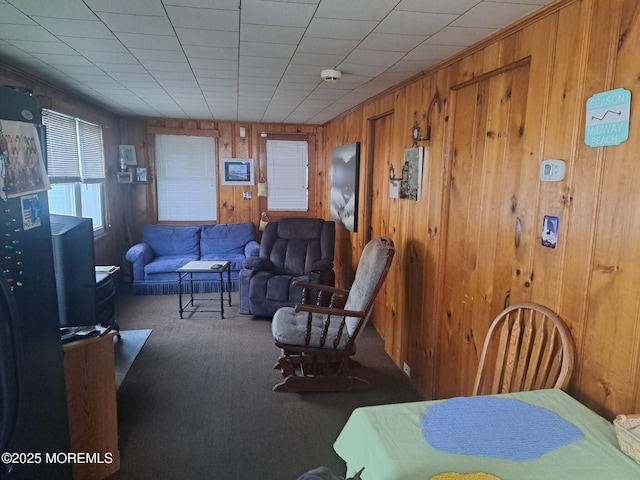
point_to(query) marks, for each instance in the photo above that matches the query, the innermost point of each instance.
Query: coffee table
(203, 266)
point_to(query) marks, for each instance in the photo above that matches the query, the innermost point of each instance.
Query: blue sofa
(164, 249)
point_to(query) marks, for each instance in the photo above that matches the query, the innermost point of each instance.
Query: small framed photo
(125, 177)
(141, 174)
(236, 171)
(128, 153)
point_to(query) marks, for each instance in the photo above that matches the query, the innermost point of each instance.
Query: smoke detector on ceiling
(331, 76)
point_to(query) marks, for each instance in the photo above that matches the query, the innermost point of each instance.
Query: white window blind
(186, 178)
(287, 173)
(74, 149)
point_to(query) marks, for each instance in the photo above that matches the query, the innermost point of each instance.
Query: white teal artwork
(607, 118)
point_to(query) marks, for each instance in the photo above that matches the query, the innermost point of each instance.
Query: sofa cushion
(167, 263)
(219, 240)
(172, 240)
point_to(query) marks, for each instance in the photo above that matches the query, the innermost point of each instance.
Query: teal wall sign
(607, 121)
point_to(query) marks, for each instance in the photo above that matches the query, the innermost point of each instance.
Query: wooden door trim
(368, 174)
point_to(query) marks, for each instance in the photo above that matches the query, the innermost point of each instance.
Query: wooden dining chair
(527, 347)
(317, 340)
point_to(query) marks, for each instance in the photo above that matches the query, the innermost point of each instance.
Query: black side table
(105, 301)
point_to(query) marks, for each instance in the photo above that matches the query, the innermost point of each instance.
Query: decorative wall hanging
(345, 170)
(22, 168)
(411, 180)
(236, 171)
(127, 155)
(607, 121)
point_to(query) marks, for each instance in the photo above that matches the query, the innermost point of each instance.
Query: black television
(74, 266)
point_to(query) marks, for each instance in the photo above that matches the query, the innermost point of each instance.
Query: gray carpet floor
(197, 401)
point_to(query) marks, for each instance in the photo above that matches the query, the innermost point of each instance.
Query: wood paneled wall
(232, 207)
(569, 50)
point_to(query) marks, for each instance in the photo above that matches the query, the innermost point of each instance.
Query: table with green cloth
(414, 441)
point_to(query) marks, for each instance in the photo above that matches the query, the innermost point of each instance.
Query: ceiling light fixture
(331, 76)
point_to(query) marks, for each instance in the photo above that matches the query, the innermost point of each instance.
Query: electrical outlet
(407, 369)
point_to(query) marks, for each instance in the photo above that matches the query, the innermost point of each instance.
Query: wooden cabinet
(91, 401)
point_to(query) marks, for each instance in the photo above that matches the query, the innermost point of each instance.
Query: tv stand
(89, 371)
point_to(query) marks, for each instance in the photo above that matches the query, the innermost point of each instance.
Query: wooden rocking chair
(528, 347)
(317, 340)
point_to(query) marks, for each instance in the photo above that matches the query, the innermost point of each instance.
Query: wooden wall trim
(182, 131)
(479, 78)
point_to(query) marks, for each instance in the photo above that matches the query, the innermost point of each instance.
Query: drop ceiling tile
(414, 23)
(392, 42)
(133, 7)
(284, 46)
(358, 69)
(462, 36)
(218, 4)
(10, 32)
(203, 18)
(51, 48)
(12, 16)
(156, 66)
(273, 50)
(493, 15)
(317, 59)
(362, 56)
(426, 52)
(322, 45)
(150, 42)
(204, 74)
(111, 58)
(82, 44)
(63, 60)
(213, 53)
(207, 38)
(438, 6)
(146, 24)
(271, 34)
(206, 63)
(340, 29)
(67, 9)
(355, 9)
(75, 28)
(117, 69)
(217, 82)
(284, 14)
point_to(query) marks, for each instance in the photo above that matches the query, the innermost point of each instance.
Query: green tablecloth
(387, 440)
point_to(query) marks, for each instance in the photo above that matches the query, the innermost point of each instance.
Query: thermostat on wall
(552, 170)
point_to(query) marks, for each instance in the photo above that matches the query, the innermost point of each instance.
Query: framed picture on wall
(345, 169)
(125, 177)
(127, 154)
(236, 171)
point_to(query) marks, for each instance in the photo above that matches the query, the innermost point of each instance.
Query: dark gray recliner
(291, 249)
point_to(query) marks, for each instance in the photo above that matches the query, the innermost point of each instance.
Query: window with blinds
(287, 173)
(75, 165)
(74, 149)
(186, 178)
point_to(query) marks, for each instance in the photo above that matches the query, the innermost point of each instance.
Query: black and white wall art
(345, 170)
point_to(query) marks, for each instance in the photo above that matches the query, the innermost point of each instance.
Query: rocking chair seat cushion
(289, 328)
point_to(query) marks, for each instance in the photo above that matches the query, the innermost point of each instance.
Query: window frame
(262, 175)
(214, 173)
(89, 172)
